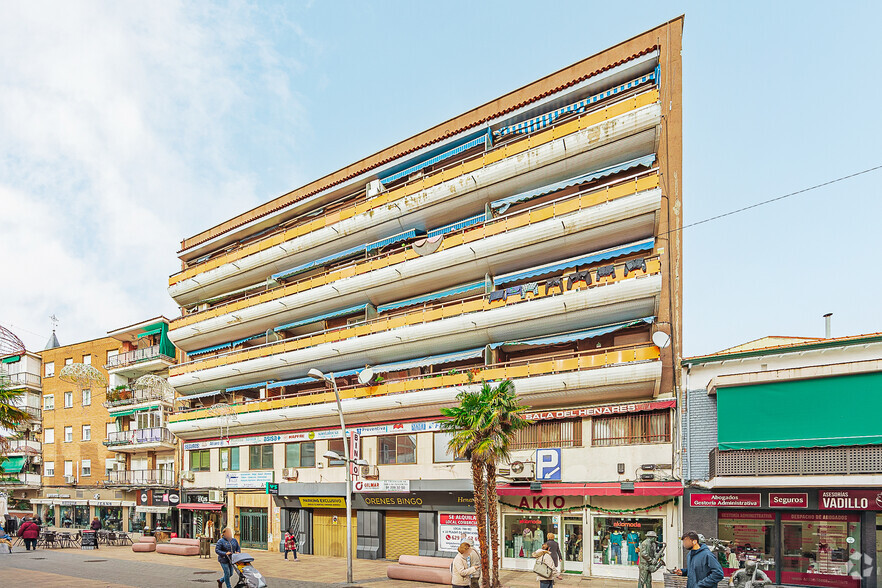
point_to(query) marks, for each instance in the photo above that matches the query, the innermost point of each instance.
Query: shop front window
(572, 543)
(525, 533)
(617, 539)
(162, 520)
(818, 549)
(137, 521)
(67, 517)
(74, 517)
(110, 517)
(750, 537)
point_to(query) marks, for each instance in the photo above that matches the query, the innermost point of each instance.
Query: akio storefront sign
(725, 500)
(788, 500)
(850, 500)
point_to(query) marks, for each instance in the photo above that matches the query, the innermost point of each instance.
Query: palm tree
(505, 420)
(465, 424)
(483, 426)
(10, 415)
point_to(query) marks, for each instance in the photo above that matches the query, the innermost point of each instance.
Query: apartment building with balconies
(20, 464)
(782, 449)
(533, 238)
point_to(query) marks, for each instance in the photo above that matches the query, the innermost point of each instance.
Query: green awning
(153, 329)
(11, 359)
(12, 465)
(820, 412)
(131, 411)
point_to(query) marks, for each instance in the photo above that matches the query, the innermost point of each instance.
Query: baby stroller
(249, 577)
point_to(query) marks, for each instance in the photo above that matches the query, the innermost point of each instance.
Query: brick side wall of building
(700, 424)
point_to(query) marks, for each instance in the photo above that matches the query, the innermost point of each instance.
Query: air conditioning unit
(373, 189)
(121, 458)
(119, 466)
(215, 496)
(370, 472)
(289, 473)
(70, 479)
(37, 458)
(522, 470)
(36, 427)
(187, 476)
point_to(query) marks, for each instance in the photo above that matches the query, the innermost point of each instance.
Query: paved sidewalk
(118, 567)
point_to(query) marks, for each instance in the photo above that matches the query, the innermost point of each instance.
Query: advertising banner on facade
(850, 500)
(454, 528)
(322, 501)
(725, 500)
(249, 479)
(381, 486)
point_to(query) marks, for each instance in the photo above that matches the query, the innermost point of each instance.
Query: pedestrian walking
(554, 551)
(702, 568)
(96, 525)
(290, 543)
(29, 532)
(226, 546)
(544, 567)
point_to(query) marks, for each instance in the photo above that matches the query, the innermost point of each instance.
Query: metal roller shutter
(402, 533)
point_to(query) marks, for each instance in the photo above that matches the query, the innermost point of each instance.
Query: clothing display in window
(633, 540)
(635, 264)
(615, 547)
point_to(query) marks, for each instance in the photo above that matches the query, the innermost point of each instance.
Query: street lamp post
(318, 375)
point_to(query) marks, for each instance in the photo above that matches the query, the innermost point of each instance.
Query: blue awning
(209, 349)
(435, 159)
(316, 319)
(645, 245)
(247, 386)
(542, 121)
(575, 335)
(201, 395)
(238, 341)
(411, 234)
(473, 220)
(394, 367)
(433, 296)
(503, 204)
(360, 249)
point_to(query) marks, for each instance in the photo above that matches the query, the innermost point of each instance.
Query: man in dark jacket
(30, 532)
(702, 568)
(225, 548)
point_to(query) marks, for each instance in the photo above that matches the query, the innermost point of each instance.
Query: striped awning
(210, 349)
(246, 387)
(132, 410)
(435, 159)
(542, 121)
(433, 296)
(473, 220)
(503, 204)
(12, 465)
(201, 395)
(325, 316)
(411, 234)
(240, 341)
(645, 245)
(575, 335)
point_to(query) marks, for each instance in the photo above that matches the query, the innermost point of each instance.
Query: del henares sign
(850, 500)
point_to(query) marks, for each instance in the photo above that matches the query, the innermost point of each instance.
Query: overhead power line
(776, 199)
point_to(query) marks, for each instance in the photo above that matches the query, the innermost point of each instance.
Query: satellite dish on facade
(661, 339)
(365, 376)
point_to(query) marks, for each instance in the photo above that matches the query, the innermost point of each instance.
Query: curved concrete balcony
(428, 332)
(607, 383)
(463, 257)
(618, 132)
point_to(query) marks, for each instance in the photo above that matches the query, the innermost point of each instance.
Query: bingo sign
(455, 528)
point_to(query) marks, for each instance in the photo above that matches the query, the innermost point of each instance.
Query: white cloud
(122, 130)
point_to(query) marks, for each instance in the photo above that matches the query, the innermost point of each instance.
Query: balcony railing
(20, 479)
(139, 436)
(445, 377)
(561, 206)
(20, 379)
(141, 478)
(810, 461)
(24, 446)
(36, 414)
(136, 356)
(436, 176)
(412, 316)
(127, 396)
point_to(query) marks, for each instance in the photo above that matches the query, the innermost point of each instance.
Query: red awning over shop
(200, 506)
(595, 489)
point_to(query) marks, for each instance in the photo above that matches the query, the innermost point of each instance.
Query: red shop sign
(788, 500)
(850, 500)
(725, 500)
(809, 517)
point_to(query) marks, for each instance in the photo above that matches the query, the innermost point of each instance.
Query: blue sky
(125, 127)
